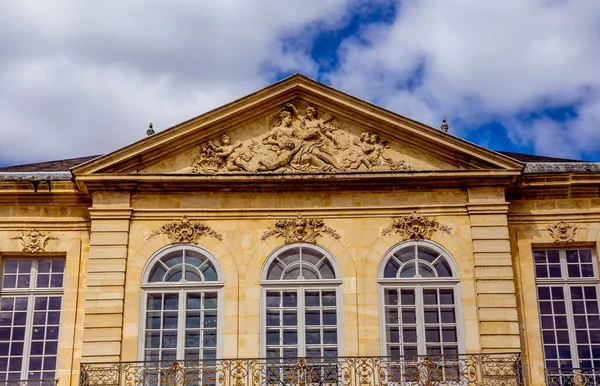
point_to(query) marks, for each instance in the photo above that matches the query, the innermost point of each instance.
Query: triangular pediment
(297, 126)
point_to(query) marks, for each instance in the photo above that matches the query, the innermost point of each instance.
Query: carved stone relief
(300, 229)
(186, 231)
(296, 142)
(34, 241)
(562, 232)
(415, 227)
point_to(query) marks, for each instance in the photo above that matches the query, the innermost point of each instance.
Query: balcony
(572, 377)
(472, 369)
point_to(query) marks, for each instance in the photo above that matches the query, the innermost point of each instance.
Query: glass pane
(407, 297)
(275, 270)
(443, 268)
(193, 301)
(210, 301)
(391, 268)
(326, 270)
(290, 318)
(430, 296)
(273, 299)
(425, 270)
(289, 256)
(408, 270)
(209, 272)
(290, 299)
(328, 298)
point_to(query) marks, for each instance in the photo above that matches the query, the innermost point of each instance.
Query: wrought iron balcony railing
(572, 377)
(471, 369)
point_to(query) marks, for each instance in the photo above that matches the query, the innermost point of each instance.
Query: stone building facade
(300, 222)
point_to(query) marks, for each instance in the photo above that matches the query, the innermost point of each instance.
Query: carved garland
(415, 227)
(186, 231)
(34, 241)
(562, 232)
(300, 229)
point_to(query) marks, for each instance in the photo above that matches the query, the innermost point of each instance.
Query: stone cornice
(357, 181)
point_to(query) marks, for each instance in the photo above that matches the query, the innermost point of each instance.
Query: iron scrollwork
(471, 369)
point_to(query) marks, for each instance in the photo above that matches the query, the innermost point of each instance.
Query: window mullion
(301, 322)
(181, 325)
(571, 326)
(420, 316)
(28, 334)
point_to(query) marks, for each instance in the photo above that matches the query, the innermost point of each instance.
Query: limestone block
(494, 272)
(102, 334)
(108, 252)
(507, 342)
(491, 246)
(103, 320)
(488, 220)
(498, 328)
(100, 225)
(106, 279)
(490, 232)
(495, 286)
(108, 238)
(101, 349)
(498, 314)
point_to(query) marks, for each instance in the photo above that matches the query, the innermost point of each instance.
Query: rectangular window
(181, 325)
(567, 289)
(30, 304)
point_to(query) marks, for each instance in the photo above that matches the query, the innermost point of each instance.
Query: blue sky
(85, 78)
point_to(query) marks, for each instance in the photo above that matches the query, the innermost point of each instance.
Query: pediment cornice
(365, 118)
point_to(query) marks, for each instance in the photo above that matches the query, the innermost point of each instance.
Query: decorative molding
(300, 229)
(34, 241)
(415, 227)
(296, 143)
(562, 232)
(185, 231)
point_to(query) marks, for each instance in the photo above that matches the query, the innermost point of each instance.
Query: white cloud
(80, 78)
(482, 61)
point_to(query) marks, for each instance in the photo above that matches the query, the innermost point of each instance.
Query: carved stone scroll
(34, 241)
(296, 142)
(186, 231)
(562, 232)
(415, 227)
(300, 229)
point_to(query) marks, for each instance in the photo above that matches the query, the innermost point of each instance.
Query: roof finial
(444, 125)
(150, 130)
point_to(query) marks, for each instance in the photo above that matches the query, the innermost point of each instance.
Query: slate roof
(535, 158)
(50, 166)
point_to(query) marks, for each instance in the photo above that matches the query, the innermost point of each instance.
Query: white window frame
(566, 282)
(31, 293)
(181, 289)
(418, 284)
(301, 286)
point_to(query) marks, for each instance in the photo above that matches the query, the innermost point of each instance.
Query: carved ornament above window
(562, 232)
(34, 241)
(300, 229)
(186, 231)
(415, 227)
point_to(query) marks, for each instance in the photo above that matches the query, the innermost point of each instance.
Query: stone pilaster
(494, 275)
(103, 324)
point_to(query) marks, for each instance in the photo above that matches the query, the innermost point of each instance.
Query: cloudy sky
(81, 78)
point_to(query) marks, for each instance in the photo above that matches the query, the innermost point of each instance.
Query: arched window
(301, 302)
(181, 314)
(419, 301)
